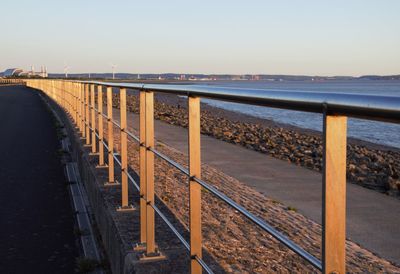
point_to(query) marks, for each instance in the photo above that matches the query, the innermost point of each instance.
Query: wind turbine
(66, 69)
(113, 70)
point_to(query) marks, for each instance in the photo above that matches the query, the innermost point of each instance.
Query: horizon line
(234, 74)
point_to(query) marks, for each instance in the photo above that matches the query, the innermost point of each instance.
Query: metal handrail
(371, 107)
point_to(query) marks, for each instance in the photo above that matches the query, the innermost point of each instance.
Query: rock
(394, 186)
(352, 167)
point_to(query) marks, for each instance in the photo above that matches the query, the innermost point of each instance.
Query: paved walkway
(36, 217)
(373, 219)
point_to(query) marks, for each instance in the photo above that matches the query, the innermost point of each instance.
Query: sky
(309, 37)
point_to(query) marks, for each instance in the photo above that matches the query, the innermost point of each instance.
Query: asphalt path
(36, 216)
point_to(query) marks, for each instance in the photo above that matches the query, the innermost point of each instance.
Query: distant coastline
(221, 77)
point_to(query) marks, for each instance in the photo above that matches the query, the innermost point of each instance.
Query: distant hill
(378, 77)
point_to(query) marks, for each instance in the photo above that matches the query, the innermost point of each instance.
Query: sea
(376, 132)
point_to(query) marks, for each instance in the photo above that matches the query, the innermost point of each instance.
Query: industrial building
(17, 72)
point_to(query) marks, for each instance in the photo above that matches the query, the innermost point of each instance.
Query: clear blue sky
(272, 37)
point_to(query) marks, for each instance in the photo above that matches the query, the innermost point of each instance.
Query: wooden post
(62, 95)
(194, 187)
(87, 114)
(100, 116)
(83, 110)
(53, 90)
(79, 94)
(334, 195)
(69, 101)
(142, 168)
(76, 103)
(124, 151)
(59, 93)
(73, 101)
(66, 97)
(93, 124)
(110, 141)
(149, 135)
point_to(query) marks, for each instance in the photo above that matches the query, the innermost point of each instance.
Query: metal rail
(371, 107)
(74, 97)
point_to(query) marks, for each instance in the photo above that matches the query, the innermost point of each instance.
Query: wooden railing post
(110, 141)
(61, 92)
(87, 114)
(63, 95)
(66, 97)
(149, 124)
(76, 103)
(142, 168)
(124, 149)
(83, 110)
(334, 195)
(124, 153)
(71, 100)
(52, 90)
(100, 117)
(93, 123)
(79, 106)
(194, 187)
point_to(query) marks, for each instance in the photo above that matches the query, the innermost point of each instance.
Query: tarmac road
(36, 217)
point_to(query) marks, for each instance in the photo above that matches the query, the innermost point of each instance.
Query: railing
(11, 81)
(73, 96)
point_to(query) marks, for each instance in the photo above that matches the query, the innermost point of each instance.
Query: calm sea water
(376, 132)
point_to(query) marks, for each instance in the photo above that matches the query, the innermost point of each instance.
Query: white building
(17, 72)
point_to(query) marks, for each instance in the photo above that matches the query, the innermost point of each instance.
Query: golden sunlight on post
(194, 187)
(76, 103)
(142, 168)
(87, 114)
(334, 195)
(100, 118)
(93, 123)
(110, 140)
(79, 91)
(149, 124)
(124, 153)
(83, 112)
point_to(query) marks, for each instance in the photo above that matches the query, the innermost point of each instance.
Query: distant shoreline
(196, 77)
